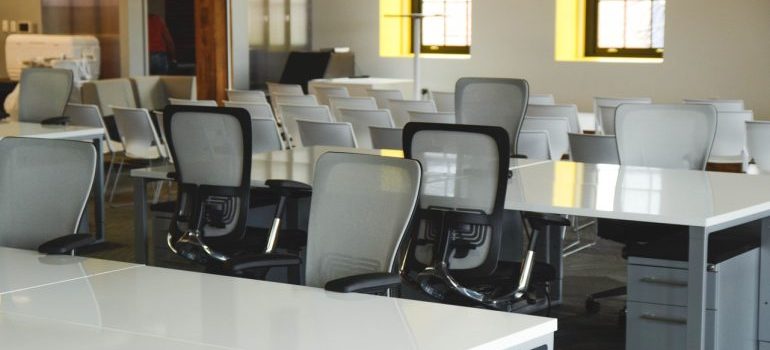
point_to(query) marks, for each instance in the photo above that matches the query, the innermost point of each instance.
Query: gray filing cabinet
(657, 302)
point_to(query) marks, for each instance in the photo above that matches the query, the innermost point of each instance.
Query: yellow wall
(395, 32)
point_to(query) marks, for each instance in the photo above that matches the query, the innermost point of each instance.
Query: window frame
(592, 39)
(433, 49)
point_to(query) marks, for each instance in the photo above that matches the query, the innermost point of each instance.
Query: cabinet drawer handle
(653, 317)
(654, 280)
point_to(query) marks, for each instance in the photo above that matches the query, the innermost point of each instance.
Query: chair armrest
(538, 219)
(365, 283)
(288, 187)
(66, 244)
(256, 261)
(519, 156)
(60, 120)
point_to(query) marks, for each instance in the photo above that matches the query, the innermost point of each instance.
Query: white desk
(156, 307)
(358, 86)
(10, 128)
(704, 201)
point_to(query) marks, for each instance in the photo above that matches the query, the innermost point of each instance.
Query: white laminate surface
(358, 86)
(241, 313)
(22, 269)
(683, 197)
(14, 128)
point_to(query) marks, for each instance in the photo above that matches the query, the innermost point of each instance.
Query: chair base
(593, 306)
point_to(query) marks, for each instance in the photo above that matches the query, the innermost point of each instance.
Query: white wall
(713, 49)
(18, 10)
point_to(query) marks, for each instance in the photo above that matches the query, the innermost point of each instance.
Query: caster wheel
(592, 306)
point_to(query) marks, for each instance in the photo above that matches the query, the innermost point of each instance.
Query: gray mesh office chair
(45, 185)
(362, 120)
(492, 101)
(43, 93)
(596, 149)
(357, 223)
(675, 136)
(247, 96)
(326, 134)
(386, 138)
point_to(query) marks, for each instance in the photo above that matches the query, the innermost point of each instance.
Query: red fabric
(155, 27)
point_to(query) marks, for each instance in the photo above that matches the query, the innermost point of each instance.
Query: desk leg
(140, 220)
(764, 283)
(99, 191)
(696, 288)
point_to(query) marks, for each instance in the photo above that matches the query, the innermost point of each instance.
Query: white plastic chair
(296, 100)
(257, 110)
(758, 143)
(382, 96)
(558, 132)
(89, 115)
(337, 102)
(291, 113)
(542, 99)
(265, 136)
(445, 101)
(722, 105)
(604, 109)
(362, 119)
(315, 133)
(433, 117)
(322, 93)
(246, 96)
(399, 109)
(284, 89)
(386, 138)
(730, 140)
(183, 102)
(595, 149)
(568, 111)
(535, 144)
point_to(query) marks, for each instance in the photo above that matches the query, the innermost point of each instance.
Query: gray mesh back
(208, 147)
(541, 99)
(290, 114)
(445, 101)
(492, 101)
(382, 96)
(336, 103)
(568, 111)
(535, 144)
(362, 119)
(604, 109)
(360, 209)
(665, 136)
(246, 96)
(43, 93)
(44, 186)
(722, 105)
(433, 117)
(265, 136)
(558, 129)
(184, 102)
(284, 89)
(137, 133)
(730, 139)
(257, 110)
(596, 149)
(399, 109)
(322, 93)
(386, 138)
(326, 134)
(758, 142)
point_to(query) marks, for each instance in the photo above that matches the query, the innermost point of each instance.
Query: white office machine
(80, 53)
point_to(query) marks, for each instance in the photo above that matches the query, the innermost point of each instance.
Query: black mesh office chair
(211, 148)
(454, 253)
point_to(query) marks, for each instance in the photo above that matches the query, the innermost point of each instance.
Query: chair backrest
(265, 136)
(184, 102)
(257, 110)
(558, 129)
(492, 101)
(677, 136)
(386, 138)
(291, 113)
(358, 218)
(211, 148)
(465, 176)
(596, 149)
(137, 132)
(541, 99)
(535, 144)
(109, 92)
(362, 119)
(399, 109)
(246, 96)
(382, 96)
(337, 102)
(730, 139)
(568, 111)
(45, 185)
(758, 143)
(604, 109)
(433, 117)
(315, 133)
(296, 100)
(322, 93)
(444, 100)
(722, 105)
(284, 89)
(43, 93)
(88, 115)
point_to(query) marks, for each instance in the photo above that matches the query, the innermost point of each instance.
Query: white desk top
(683, 197)
(14, 128)
(240, 313)
(22, 269)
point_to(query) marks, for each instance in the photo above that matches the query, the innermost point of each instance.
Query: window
(625, 28)
(450, 32)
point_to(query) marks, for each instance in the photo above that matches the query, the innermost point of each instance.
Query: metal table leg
(99, 191)
(696, 288)
(764, 284)
(140, 220)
